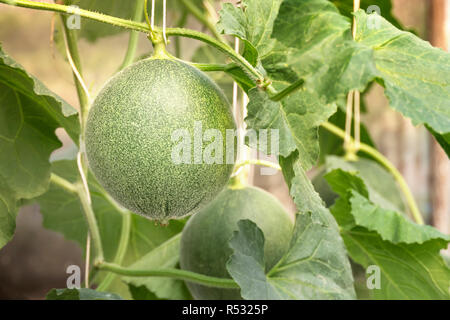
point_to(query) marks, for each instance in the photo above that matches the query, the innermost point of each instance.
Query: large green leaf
(80, 294)
(164, 256)
(415, 74)
(29, 116)
(296, 118)
(406, 254)
(253, 25)
(311, 269)
(321, 48)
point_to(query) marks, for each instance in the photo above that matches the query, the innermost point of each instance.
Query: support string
(353, 102)
(164, 21)
(152, 19)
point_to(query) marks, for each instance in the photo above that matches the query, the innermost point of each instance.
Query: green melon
(129, 141)
(204, 242)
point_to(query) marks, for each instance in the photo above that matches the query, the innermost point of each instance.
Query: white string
(353, 99)
(75, 70)
(164, 21)
(236, 112)
(357, 120)
(152, 19)
(357, 102)
(83, 177)
(356, 6)
(348, 119)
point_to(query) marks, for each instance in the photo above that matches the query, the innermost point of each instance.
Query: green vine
(171, 273)
(134, 37)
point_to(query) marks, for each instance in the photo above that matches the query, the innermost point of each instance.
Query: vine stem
(288, 90)
(82, 188)
(92, 224)
(388, 165)
(251, 71)
(225, 48)
(73, 56)
(63, 183)
(134, 36)
(171, 273)
(121, 250)
(207, 67)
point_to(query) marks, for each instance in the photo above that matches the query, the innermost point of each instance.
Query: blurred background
(36, 259)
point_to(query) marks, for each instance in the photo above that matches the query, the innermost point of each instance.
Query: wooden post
(439, 26)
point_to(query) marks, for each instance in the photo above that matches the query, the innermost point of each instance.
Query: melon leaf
(406, 254)
(311, 269)
(297, 118)
(29, 116)
(253, 24)
(415, 75)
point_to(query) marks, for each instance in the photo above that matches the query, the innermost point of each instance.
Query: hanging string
(357, 98)
(348, 119)
(353, 101)
(356, 6)
(75, 70)
(236, 113)
(235, 89)
(357, 119)
(164, 20)
(152, 20)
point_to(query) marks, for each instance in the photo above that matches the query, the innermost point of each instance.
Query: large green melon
(129, 141)
(205, 238)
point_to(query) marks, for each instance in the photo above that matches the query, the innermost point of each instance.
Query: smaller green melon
(205, 238)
